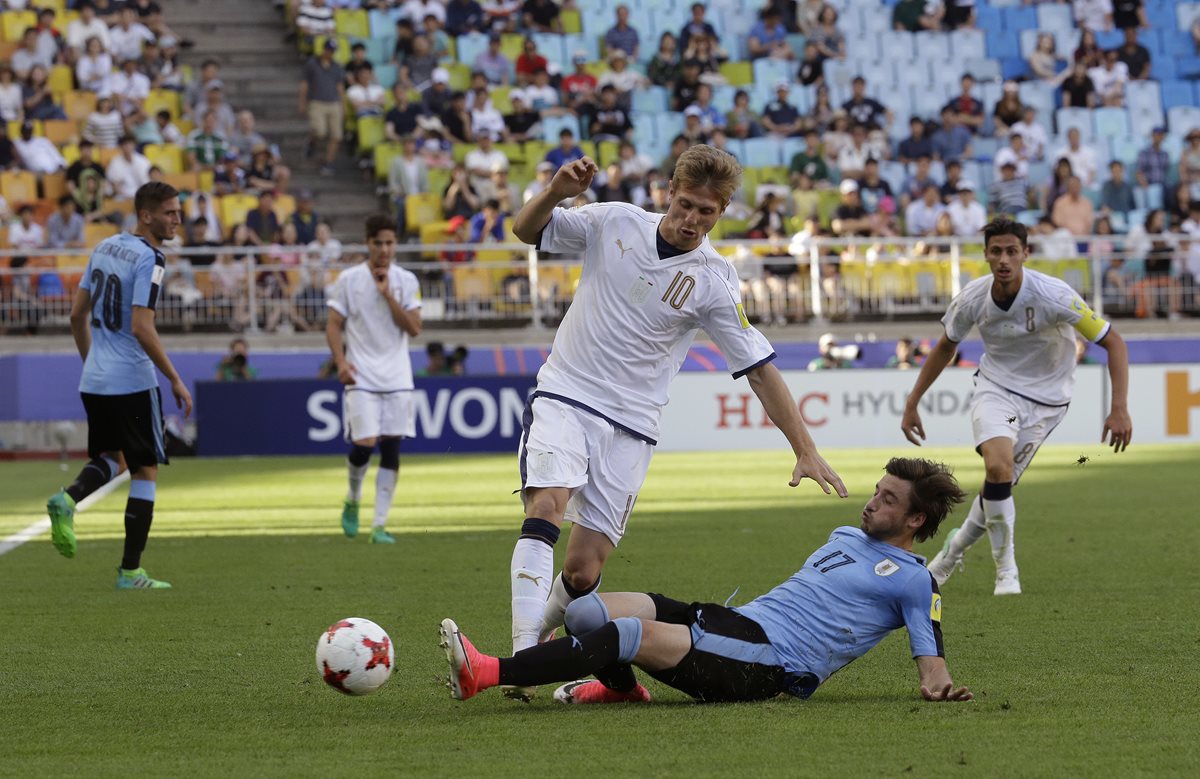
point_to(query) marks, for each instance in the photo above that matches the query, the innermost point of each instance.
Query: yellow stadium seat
(62, 80)
(512, 45)
(342, 55)
(206, 180)
(738, 74)
(501, 100)
(15, 23)
(14, 128)
(384, 154)
(18, 186)
(354, 23)
(439, 180)
(54, 185)
(459, 151)
(105, 156)
(473, 283)
(163, 99)
(233, 209)
(70, 153)
(432, 233)
(513, 151)
(167, 157)
(597, 69)
(370, 133)
(79, 104)
(460, 75)
(60, 131)
(572, 22)
(422, 208)
(608, 152)
(285, 206)
(96, 232)
(183, 181)
(68, 261)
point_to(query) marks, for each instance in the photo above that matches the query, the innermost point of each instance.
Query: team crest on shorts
(639, 291)
(885, 567)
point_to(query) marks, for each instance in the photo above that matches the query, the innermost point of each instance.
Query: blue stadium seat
(553, 125)
(1039, 95)
(1109, 39)
(1111, 122)
(1182, 119)
(893, 173)
(1013, 68)
(1185, 14)
(1054, 17)
(1143, 97)
(789, 148)
(985, 148)
(1188, 67)
(470, 46)
(574, 43)
(880, 76)
(385, 74)
(1163, 69)
(653, 99)
(1178, 43)
(933, 46)
(645, 131)
(1019, 17)
(768, 71)
(762, 153)
(967, 43)
(551, 47)
(839, 73)
(1002, 43)
(737, 148)
(1080, 118)
(983, 69)
(1175, 93)
(1125, 149)
(380, 49)
(381, 23)
(988, 17)
(668, 125)
(723, 97)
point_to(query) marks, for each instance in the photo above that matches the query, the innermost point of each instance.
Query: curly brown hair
(935, 491)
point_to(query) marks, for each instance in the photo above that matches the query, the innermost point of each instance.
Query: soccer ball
(354, 656)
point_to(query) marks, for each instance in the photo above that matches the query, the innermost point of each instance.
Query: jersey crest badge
(156, 276)
(885, 567)
(935, 608)
(639, 291)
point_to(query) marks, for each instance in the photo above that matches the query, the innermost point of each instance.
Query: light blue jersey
(124, 271)
(849, 595)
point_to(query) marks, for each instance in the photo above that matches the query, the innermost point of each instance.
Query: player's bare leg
(532, 568)
(587, 550)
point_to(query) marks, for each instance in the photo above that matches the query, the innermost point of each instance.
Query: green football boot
(381, 536)
(138, 579)
(350, 518)
(61, 509)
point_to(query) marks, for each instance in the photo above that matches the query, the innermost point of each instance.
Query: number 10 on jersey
(677, 292)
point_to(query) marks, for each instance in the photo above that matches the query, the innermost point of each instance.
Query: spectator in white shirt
(366, 96)
(1094, 15)
(921, 216)
(1033, 133)
(12, 103)
(967, 215)
(127, 37)
(104, 126)
(87, 26)
(130, 87)
(480, 161)
(25, 233)
(853, 158)
(621, 76)
(38, 154)
(24, 58)
(1109, 79)
(1014, 153)
(1082, 159)
(417, 10)
(128, 170)
(93, 70)
(314, 18)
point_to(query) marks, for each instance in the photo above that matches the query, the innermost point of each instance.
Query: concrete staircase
(262, 73)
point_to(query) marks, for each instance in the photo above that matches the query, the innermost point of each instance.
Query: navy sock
(541, 530)
(564, 659)
(139, 513)
(993, 490)
(389, 453)
(94, 475)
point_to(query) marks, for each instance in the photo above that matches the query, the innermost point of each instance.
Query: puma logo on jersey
(621, 246)
(537, 580)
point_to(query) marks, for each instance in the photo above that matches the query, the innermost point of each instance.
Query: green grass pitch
(1093, 671)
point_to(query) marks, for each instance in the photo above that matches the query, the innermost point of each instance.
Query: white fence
(490, 285)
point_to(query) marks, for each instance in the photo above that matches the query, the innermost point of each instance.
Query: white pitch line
(42, 525)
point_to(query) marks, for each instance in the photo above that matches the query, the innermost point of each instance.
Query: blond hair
(704, 166)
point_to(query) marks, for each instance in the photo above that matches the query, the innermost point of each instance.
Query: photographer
(235, 366)
(833, 357)
(908, 355)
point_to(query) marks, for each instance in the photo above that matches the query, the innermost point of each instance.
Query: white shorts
(602, 465)
(372, 414)
(992, 408)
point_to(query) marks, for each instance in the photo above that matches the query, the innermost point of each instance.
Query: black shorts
(130, 424)
(731, 658)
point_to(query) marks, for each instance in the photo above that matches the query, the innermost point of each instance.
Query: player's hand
(183, 398)
(381, 281)
(911, 425)
(1118, 430)
(947, 693)
(574, 178)
(813, 466)
(346, 372)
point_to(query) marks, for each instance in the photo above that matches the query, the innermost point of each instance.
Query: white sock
(385, 485)
(971, 531)
(1001, 522)
(357, 474)
(532, 577)
(556, 606)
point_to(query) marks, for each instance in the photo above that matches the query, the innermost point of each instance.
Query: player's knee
(998, 473)
(360, 453)
(546, 504)
(581, 575)
(389, 453)
(586, 614)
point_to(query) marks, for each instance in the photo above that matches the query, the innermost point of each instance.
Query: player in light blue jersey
(849, 594)
(112, 321)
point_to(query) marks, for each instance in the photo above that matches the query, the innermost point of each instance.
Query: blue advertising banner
(454, 414)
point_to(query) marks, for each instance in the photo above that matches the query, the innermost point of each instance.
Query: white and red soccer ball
(355, 656)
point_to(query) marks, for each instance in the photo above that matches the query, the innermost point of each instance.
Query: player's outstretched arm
(935, 363)
(776, 398)
(571, 180)
(147, 335)
(936, 684)
(81, 331)
(1118, 426)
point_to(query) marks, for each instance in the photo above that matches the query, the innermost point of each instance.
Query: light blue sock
(630, 630)
(143, 490)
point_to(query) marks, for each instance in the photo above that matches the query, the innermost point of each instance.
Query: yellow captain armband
(935, 608)
(1090, 325)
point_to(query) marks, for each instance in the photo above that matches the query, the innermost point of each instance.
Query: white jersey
(1029, 349)
(375, 344)
(634, 315)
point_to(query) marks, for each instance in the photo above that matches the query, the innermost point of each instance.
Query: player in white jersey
(1026, 376)
(650, 281)
(374, 309)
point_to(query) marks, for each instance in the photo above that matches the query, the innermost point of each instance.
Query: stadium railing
(508, 285)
